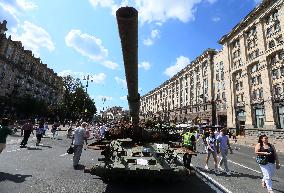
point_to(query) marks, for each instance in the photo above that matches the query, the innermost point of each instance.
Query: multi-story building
(244, 83)
(22, 74)
(186, 96)
(255, 56)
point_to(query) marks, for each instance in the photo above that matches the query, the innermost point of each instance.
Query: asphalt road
(48, 169)
(246, 174)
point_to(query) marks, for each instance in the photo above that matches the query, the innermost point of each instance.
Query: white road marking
(215, 182)
(63, 154)
(243, 166)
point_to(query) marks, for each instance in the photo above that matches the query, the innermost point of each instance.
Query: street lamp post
(87, 78)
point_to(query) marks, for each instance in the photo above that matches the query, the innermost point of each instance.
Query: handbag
(261, 159)
(70, 150)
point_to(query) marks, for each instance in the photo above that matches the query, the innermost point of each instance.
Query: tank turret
(127, 20)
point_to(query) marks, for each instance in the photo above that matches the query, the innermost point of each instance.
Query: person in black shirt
(268, 153)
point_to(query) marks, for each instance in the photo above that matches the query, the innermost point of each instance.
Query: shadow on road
(193, 184)
(233, 174)
(17, 178)
(79, 167)
(33, 148)
(46, 146)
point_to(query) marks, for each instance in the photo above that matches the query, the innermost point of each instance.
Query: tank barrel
(127, 20)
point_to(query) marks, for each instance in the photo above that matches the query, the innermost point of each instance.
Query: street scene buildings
(22, 74)
(240, 86)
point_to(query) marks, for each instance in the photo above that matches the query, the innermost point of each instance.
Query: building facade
(22, 74)
(245, 87)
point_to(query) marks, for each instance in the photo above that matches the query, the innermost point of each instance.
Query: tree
(76, 102)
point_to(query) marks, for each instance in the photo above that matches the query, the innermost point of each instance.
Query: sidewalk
(251, 141)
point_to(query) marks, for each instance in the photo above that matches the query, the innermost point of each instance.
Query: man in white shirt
(78, 139)
(223, 145)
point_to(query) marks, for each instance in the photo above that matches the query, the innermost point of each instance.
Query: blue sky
(81, 37)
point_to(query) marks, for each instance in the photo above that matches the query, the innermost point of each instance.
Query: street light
(87, 78)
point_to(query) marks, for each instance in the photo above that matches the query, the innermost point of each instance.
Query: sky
(80, 38)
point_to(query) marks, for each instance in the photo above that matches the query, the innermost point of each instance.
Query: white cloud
(86, 45)
(257, 1)
(124, 98)
(96, 78)
(158, 11)
(162, 10)
(110, 64)
(120, 81)
(26, 5)
(181, 62)
(148, 42)
(145, 65)
(155, 34)
(89, 46)
(216, 19)
(13, 10)
(34, 38)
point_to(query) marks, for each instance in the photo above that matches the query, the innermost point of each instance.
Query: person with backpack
(267, 159)
(211, 149)
(4, 132)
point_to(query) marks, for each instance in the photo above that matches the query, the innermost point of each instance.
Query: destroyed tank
(139, 157)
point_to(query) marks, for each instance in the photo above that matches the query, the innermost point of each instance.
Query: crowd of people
(217, 141)
(214, 140)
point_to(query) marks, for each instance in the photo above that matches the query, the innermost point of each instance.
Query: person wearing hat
(4, 132)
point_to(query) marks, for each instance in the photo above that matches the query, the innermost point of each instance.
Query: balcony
(257, 101)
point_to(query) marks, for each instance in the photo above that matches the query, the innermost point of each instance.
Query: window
(253, 80)
(260, 94)
(223, 96)
(280, 55)
(279, 39)
(282, 71)
(238, 98)
(259, 80)
(271, 44)
(275, 74)
(221, 65)
(254, 68)
(237, 86)
(241, 84)
(277, 27)
(268, 31)
(259, 117)
(254, 94)
(281, 116)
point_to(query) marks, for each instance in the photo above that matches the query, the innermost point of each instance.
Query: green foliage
(30, 106)
(76, 102)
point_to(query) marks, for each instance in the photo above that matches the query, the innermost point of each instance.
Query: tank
(149, 153)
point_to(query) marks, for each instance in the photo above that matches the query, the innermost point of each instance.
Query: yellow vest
(187, 138)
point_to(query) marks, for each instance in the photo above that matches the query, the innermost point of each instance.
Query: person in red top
(28, 129)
